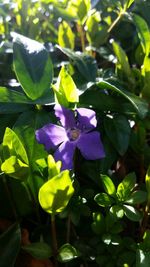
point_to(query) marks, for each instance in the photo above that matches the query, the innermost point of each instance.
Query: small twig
(81, 33)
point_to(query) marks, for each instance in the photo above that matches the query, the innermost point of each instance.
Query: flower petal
(66, 116)
(51, 135)
(86, 119)
(91, 146)
(65, 153)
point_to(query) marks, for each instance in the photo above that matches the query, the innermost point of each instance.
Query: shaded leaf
(38, 250)
(9, 246)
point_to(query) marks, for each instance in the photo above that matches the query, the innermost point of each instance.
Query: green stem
(54, 239)
(116, 21)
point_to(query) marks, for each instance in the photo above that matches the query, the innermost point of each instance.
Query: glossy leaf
(39, 250)
(131, 213)
(86, 64)
(108, 185)
(143, 32)
(66, 36)
(10, 242)
(55, 194)
(122, 59)
(67, 253)
(140, 105)
(142, 258)
(117, 211)
(104, 200)
(32, 66)
(65, 89)
(125, 188)
(137, 197)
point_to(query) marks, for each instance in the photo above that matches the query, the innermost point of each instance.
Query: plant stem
(54, 239)
(116, 21)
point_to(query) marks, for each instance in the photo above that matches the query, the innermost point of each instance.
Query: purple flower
(76, 131)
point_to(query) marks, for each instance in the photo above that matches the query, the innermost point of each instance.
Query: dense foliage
(75, 133)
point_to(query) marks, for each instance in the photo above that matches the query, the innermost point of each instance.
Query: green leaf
(147, 180)
(12, 97)
(137, 197)
(98, 225)
(65, 89)
(86, 64)
(123, 63)
(15, 168)
(125, 188)
(53, 167)
(140, 105)
(118, 131)
(10, 242)
(142, 258)
(38, 250)
(66, 36)
(67, 253)
(146, 74)
(13, 146)
(143, 32)
(55, 194)
(32, 66)
(117, 211)
(129, 3)
(79, 8)
(145, 245)
(104, 200)
(108, 185)
(96, 33)
(131, 213)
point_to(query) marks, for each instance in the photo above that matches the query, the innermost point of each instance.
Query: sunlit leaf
(66, 36)
(65, 89)
(53, 167)
(108, 185)
(125, 188)
(67, 253)
(79, 8)
(104, 200)
(55, 194)
(123, 62)
(32, 66)
(147, 180)
(132, 213)
(143, 32)
(137, 197)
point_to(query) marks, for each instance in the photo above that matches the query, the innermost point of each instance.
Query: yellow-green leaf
(55, 194)
(65, 89)
(53, 167)
(66, 36)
